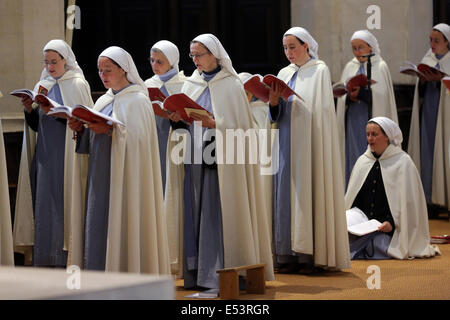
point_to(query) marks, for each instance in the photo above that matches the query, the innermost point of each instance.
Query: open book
(360, 80)
(413, 70)
(358, 223)
(82, 113)
(157, 98)
(259, 86)
(181, 103)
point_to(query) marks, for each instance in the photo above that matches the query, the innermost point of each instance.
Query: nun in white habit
(386, 186)
(164, 58)
(56, 171)
(125, 225)
(353, 109)
(309, 219)
(224, 214)
(429, 131)
(6, 241)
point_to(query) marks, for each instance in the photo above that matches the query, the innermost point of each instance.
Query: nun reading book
(429, 134)
(357, 107)
(385, 185)
(224, 217)
(125, 227)
(164, 58)
(308, 194)
(55, 174)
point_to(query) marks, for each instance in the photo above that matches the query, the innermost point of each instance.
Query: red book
(185, 106)
(419, 70)
(440, 239)
(156, 95)
(360, 80)
(260, 87)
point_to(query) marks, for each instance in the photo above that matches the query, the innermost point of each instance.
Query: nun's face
(159, 62)
(54, 64)
(113, 77)
(377, 140)
(438, 44)
(203, 60)
(295, 52)
(360, 48)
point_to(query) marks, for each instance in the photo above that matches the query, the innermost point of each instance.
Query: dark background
(250, 30)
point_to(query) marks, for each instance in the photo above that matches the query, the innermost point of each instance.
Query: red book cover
(257, 88)
(287, 91)
(181, 102)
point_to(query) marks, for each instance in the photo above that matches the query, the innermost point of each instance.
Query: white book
(358, 223)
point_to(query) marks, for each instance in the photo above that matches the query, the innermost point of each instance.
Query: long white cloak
(137, 237)
(406, 200)
(173, 86)
(261, 120)
(74, 90)
(383, 98)
(329, 228)
(246, 236)
(440, 193)
(6, 241)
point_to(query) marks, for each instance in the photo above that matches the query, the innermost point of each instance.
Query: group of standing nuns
(110, 197)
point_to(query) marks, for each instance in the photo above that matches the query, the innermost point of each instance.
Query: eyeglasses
(192, 56)
(52, 62)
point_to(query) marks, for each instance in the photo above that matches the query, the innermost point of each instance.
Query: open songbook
(82, 113)
(180, 102)
(413, 70)
(360, 80)
(259, 86)
(358, 223)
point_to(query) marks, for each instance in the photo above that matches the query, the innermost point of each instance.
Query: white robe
(328, 224)
(246, 236)
(406, 200)
(441, 159)
(6, 242)
(383, 98)
(74, 90)
(137, 238)
(173, 86)
(261, 120)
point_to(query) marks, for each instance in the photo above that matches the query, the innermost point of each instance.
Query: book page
(364, 228)
(355, 216)
(190, 111)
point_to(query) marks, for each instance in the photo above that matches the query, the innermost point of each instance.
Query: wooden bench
(229, 280)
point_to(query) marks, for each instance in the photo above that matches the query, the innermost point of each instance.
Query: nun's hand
(75, 125)
(175, 116)
(432, 76)
(207, 122)
(275, 93)
(27, 102)
(354, 94)
(385, 227)
(100, 127)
